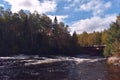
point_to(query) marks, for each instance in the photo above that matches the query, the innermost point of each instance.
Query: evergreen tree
(112, 38)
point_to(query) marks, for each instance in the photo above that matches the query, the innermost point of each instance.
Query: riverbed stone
(113, 60)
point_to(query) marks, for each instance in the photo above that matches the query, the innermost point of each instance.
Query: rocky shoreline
(114, 61)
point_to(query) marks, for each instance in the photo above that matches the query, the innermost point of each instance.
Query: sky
(80, 15)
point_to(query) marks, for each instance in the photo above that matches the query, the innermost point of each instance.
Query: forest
(34, 33)
(109, 38)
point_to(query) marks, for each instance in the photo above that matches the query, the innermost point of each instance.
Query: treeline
(91, 39)
(113, 39)
(32, 33)
(110, 38)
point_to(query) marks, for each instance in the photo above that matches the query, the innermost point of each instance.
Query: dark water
(113, 72)
(58, 68)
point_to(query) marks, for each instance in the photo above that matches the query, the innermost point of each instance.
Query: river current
(57, 68)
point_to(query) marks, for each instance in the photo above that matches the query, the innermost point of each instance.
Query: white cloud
(1, 5)
(60, 18)
(66, 7)
(33, 5)
(71, 3)
(95, 23)
(68, 0)
(96, 6)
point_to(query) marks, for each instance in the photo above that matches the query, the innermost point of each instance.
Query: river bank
(114, 61)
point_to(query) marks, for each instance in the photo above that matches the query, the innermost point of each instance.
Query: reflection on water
(59, 68)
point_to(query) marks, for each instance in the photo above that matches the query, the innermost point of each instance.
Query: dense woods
(90, 39)
(34, 33)
(113, 39)
(109, 38)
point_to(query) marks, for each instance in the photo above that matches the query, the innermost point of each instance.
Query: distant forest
(34, 33)
(110, 38)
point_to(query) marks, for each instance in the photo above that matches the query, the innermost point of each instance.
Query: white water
(33, 60)
(79, 67)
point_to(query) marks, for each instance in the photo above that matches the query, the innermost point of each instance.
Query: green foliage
(116, 48)
(74, 40)
(110, 38)
(90, 39)
(82, 39)
(104, 37)
(32, 33)
(113, 39)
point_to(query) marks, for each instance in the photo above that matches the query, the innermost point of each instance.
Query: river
(57, 68)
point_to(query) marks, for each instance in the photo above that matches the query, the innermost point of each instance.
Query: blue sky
(80, 15)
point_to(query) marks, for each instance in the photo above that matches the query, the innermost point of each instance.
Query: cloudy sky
(80, 15)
